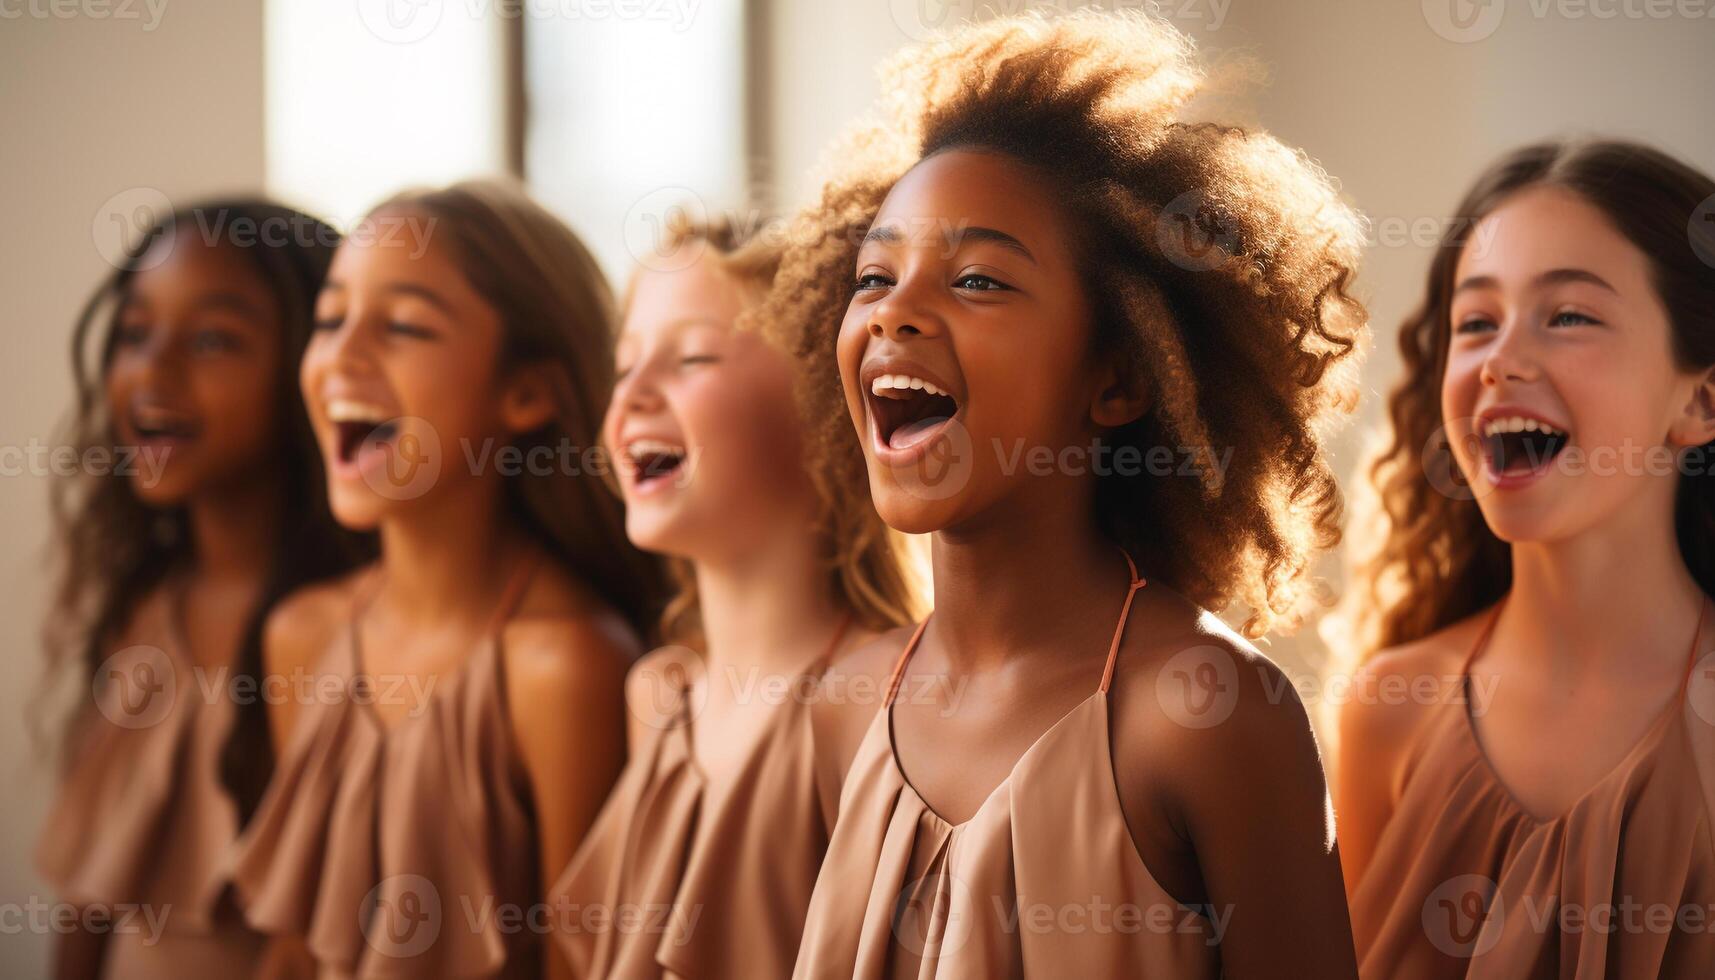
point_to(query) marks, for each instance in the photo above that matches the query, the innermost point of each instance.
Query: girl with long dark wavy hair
(1540, 805)
(209, 508)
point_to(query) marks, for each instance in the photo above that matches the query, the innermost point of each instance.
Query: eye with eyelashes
(971, 281)
(1561, 318)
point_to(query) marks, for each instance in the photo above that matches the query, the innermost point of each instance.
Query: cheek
(743, 425)
(451, 387)
(239, 398)
(1024, 388)
(850, 345)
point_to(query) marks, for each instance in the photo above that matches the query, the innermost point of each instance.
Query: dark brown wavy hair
(1431, 560)
(867, 569)
(115, 550)
(556, 309)
(1218, 264)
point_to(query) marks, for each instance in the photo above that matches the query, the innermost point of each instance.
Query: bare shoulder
(565, 655)
(563, 637)
(1389, 695)
(853, 688)
(300, 626)
(1192, 686)
(655, 686)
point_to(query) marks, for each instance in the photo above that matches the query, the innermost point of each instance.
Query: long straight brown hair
(1437, 562)
(556, 309)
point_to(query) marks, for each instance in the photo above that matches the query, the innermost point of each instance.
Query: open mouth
(654, 462)
(1515, 445)
(358, 424)
(908, 410)
(155, 425)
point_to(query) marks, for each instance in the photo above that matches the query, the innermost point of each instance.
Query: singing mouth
(908, 410)
(1518, 444)
(360, 424)
(154, 424)
(653, 461)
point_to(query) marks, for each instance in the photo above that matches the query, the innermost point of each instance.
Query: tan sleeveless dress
(141, 818)
(1465, 883)
(713, 876)
(1043, 880)
(407, 850)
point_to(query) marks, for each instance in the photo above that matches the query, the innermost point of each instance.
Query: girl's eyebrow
(955, 237)
(1549, 278)
(435, 299)
(230, 301)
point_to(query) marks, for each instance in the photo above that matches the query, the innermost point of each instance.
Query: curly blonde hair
(867, 567)
(1218, 261)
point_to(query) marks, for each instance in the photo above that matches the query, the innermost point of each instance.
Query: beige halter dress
(713, 875)
(402, 850)
(1043, 880)
(141, 820)
(1467, 884)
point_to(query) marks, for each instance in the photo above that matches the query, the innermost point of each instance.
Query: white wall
(91, 108)
(368, 97)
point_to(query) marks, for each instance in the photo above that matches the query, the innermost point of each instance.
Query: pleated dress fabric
(406, 849)
(685, 876)
(1044, 880)
(141, 820)
(1466, 883)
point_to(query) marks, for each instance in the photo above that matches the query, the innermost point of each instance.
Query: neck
(1602, 599)
(234, 533)
(766, 605)
(446, 557)
(995, 575)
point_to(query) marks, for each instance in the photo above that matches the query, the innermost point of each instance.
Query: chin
(161, 494)
(905, 511)
(355, 510)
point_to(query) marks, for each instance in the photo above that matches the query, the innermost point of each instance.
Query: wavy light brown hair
(1429, 559)
(865, 559)
(1217, 260)
(556, 309)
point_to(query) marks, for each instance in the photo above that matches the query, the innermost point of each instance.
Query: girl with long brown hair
(464, 718)
(1090, 347)
(715, 833)
(1541, 805)
(209, 508)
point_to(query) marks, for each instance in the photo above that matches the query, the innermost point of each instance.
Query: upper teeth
(651, 447)
(903, 381)
(1518, 423)
(346, 410)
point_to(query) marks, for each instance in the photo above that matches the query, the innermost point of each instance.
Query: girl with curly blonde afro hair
(1091, 348)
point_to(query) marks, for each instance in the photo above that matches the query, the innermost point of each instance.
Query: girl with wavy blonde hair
(718, 824)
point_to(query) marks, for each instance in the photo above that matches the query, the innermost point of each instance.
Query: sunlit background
(613, 110)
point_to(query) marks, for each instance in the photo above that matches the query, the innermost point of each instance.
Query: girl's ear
(1118, 401)
(527, 400)
(1695, 425)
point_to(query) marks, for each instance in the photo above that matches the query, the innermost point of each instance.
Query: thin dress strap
(1137, 582)
(514, 593)
(1482, 638)
(1692, 660)
(899, 668)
